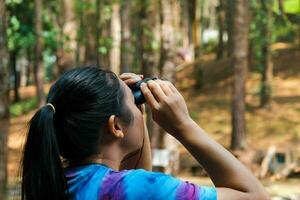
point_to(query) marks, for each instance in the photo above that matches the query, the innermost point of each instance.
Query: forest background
(236, 62)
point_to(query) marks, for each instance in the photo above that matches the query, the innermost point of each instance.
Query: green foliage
(20, 28)
(282, 29)
(209, 46)
(22, 107)
(289, 6)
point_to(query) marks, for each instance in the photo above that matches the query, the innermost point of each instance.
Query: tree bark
(90, 25)
(16, 74)
(281, 8)
(80, 34)
(4, 102)
(186, 24)
(115, 32)
(60, 53)
(196, 38)
(29, 66)
(168, 42)
(38, 65)
(267, 73)
(148, 56)
(196, 27)
(126, 43)
(229, 25)
(98, 31)
(168, 70)
(240, 64)
(221, 19)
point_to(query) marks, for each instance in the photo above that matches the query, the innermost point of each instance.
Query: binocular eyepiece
(137, 93)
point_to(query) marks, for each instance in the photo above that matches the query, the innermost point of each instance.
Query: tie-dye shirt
(96, 181)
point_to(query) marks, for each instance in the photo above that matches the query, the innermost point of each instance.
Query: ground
(278, 125)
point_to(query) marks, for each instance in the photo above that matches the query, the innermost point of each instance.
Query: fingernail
(137, 79)
(143, 84)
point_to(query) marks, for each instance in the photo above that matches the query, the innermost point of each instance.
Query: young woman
(92, 123)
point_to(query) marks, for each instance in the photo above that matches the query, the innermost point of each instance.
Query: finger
(165, 87)
(156, 90)
(125, 76)
(143, 108)
(150, 99)
(172, 87)
(132, 81)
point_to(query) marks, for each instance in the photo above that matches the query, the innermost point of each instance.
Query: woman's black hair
(84, 98)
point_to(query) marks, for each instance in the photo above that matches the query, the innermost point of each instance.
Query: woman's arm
(232, 179)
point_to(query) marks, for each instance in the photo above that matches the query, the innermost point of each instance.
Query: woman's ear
(114, 127)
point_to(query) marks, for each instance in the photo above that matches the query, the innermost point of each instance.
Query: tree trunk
(4, 102)
(149, 33)
(80, 33)
(221, 19)
(105, 33)
(229, 25)
(29, 67)
(168, 42)
(281, 8)
(126, 43)
(167, 61)
(267, 74)
(196, 26)
(90, 53)
(186, 24)
(98, 31)
(240, 64)
(150, 24)
(115, 32)
(16, 74)
(60, 53)
(38, 65)
(196, 38)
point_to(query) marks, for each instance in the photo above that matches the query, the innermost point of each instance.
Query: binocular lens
(137, 93)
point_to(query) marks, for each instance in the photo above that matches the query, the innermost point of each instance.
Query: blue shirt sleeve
(141, 184)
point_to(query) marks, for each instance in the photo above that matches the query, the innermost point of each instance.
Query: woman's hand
(168, 107)
(130, 79)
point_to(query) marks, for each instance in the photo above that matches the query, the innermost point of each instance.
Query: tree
(221, 21)
(126, 43)
(115, 33)
(196, 26)
(19, 37)
(168, 41)
(148, 33)
(267, 72)
(38, 65)
(240, 64)
(149, 36)
(197, 7)
(79, 6)
(229, 23)
(186, 23)
(98, 30)
(169, 27)
(4, 102)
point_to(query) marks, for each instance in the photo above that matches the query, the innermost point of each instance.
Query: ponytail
(42, 171)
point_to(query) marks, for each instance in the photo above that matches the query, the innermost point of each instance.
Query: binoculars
(137, 93)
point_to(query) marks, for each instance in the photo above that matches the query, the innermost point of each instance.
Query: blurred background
(236, 62)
